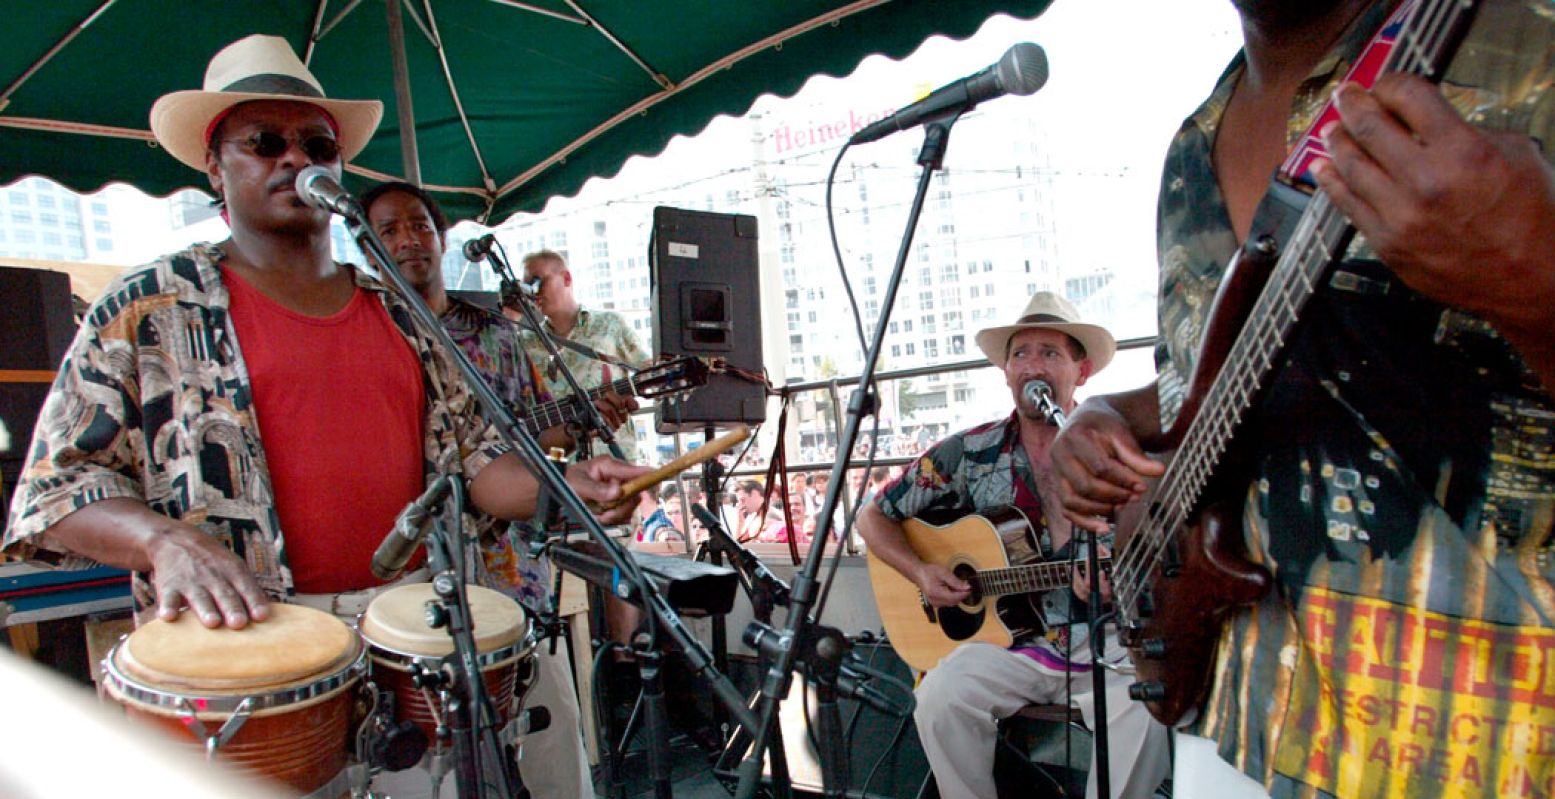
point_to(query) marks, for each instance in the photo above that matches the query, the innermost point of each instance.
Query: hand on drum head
(192, 569)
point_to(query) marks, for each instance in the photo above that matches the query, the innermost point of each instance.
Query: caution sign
(1392, 701)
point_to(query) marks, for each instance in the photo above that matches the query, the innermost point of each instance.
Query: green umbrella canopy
(521, 101)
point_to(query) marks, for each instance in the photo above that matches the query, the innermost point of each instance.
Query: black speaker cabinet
(885, 757)
(707, 302)
(36, 328)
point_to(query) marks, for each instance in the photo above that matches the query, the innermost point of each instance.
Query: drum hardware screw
(436, 615)
(1152, 691)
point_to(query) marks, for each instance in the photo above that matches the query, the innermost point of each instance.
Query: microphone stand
(553, 485)
(775, 686)
(590, 420)
(473, 720)
(1098, 626)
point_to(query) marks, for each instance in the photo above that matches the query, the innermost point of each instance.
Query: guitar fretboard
(546, 415)
(1026, 579)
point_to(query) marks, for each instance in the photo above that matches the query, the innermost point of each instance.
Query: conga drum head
(295, 643)
(271, 698)
(396, 621)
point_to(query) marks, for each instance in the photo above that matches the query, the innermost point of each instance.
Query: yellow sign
(1394, 701)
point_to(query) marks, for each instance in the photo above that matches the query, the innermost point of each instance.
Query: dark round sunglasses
(265, 144)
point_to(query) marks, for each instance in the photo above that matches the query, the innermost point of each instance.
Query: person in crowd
(414, 230)
(995, 465)
(1397, 474)
(604, 332)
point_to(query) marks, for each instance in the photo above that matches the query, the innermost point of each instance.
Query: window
(963, 395)
(909, 348)
(906, 325)
(53, 239)
(871, 310)
(947, 229)
(863, 215)
(25, 237)
(942, 200)
(45, 201)
(20, 197)
(948, 273)
(52, 220)
(813, 319)
(923, 252)
(100, 226)
(599, 227)
(925, 276)
(788, 253)
(863, 193)
(926, 300)
(988, 266)
(930, 348)
(21, 217)
(601, 249)
(869, 285)
(896, 350)
(791, 298)
(929, 323)
(558, 239)
(796, 344)
(952, 320)
(957, 344)
(975, 292)
(101, 209)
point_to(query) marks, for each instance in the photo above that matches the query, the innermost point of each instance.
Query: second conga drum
(271, 698)
(397, 634)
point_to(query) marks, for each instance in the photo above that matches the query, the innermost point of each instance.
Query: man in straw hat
(241, 422)
(1005, 464)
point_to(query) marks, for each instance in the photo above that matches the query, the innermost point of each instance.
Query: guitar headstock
(681, 374)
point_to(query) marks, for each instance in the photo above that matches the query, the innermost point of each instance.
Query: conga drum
(270, 698)
(398, 636)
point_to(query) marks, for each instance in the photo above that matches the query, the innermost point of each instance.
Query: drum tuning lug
(436, 616)
(1152, 691)
(1153, 648)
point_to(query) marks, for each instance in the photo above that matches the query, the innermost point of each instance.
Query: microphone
(409, 528)
(318, 187)
(1021, 70)
(1040, 394)
(478, 248)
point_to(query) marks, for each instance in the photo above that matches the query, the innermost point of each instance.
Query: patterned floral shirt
(1403, 498)
(494, 346)
(609, 334)
(153, 403)
(977, 470)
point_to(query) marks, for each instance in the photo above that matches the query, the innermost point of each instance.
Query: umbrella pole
(402, 101)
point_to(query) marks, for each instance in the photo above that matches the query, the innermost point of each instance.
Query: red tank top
(340, 406)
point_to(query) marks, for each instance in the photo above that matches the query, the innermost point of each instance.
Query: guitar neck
(545, 415)
(1044, 576)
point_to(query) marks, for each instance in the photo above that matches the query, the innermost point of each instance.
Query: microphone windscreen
(1023, 69)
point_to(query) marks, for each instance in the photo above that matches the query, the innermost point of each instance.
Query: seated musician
(240, 423)
(994, 465)
(413, 229)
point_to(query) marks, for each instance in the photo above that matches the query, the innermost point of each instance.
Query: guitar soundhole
(968, 573)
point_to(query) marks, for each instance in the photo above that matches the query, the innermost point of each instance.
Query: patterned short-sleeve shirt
(153, 403)
(609, 334)
(1403, 495)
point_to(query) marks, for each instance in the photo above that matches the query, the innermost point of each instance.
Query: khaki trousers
(962, 699)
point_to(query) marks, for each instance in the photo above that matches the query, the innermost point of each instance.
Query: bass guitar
(1004, 603)
(1183, 567)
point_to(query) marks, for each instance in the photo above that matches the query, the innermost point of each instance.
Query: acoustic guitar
(1003, 605)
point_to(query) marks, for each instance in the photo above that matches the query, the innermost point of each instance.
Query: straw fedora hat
(256, 67)
(1047, 310)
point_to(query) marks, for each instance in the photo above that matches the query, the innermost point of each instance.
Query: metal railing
(835, 409)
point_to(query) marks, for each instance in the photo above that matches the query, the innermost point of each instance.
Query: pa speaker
(885, 756)
(38, 323)
(35, 331)
(707, 302)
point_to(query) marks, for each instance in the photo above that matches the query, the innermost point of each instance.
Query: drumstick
(711, 449)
